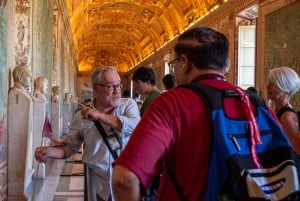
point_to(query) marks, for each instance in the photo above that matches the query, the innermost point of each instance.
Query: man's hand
(41, 154)
(88, 113)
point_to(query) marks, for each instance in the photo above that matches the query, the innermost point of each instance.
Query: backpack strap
(176, 184)
(283, 110)
(114, 138)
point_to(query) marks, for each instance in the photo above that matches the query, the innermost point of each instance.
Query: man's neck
(151, 89)
(19, 86)
(202, 72)
(102, 108)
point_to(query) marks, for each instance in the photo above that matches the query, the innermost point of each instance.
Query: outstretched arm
(125, 184)
(56, 152)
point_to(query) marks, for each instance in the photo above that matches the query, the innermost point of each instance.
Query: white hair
(285, 79)
(97, 72)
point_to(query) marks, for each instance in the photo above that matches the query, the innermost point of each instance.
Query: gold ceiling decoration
(125, 32)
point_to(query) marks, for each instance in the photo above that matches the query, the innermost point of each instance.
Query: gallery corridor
(64, 181)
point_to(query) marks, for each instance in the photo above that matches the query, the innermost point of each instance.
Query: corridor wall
(3, 100)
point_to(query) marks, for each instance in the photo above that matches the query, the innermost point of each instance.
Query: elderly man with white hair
(118, 117)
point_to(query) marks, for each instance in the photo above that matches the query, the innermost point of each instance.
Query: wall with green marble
(44, 42)
(61, 64)
(3, 59)
(3, 84)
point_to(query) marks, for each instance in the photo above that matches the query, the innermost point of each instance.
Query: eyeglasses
(111, 87)
(172, 64)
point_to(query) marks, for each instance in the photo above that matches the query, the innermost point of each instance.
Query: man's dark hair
(169, 81)
(205, 48)
(144, 74)
(253, 89)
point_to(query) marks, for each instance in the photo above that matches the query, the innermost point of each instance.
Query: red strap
(254, 131)
(253, 127)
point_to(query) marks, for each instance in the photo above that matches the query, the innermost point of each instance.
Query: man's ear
(186, 64)
(183, 66)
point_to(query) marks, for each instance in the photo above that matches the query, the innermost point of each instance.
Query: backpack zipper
(234, 137)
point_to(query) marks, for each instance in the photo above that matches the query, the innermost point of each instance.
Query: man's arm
(111, 120)
(56, 152)
(94, 115)
(125, 184)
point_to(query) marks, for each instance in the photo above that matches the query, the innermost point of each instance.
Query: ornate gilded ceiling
(125, 32)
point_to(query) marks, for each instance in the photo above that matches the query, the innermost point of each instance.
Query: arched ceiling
(125, 32)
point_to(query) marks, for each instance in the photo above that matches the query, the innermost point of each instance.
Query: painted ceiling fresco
(125, 32)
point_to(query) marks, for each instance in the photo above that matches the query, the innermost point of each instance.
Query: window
(246, 56)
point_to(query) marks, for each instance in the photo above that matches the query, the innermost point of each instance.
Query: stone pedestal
(39, 113)
(67, 117)
(56, 120)
(20, 144)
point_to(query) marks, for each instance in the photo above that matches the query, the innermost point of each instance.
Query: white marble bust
(22, 82)
(20, 132)
(40, 89)
(67, 98)
(55, 94)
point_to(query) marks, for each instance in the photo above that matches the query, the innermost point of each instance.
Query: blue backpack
(245, 166)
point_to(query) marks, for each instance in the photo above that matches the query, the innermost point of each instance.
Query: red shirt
(175, 129)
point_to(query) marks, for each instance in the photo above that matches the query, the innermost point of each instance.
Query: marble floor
(64, 181)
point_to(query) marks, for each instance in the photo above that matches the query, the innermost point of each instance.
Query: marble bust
(20, 134)
(22, 82)
(40, 89)
(67, 98)
(55, 94)
(22, 78)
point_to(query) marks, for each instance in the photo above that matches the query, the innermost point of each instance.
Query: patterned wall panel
(282, 41)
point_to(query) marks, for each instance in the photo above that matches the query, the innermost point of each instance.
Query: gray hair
(285, 79)
(97, 73)
(227, 66)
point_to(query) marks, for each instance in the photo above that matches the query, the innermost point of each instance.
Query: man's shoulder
(127, 102)
(178, 95)
(154, 93)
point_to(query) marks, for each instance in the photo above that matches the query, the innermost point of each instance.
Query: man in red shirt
(175, 129)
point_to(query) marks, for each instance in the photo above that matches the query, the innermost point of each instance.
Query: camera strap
(111, 141)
